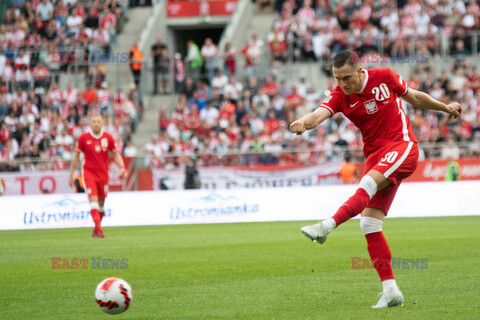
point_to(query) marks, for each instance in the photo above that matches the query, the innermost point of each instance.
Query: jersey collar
(96, 136)
(364, 82)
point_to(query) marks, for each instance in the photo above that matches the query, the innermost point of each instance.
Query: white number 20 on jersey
(381, 92)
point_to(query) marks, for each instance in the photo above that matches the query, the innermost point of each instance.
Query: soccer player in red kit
(371, 100)
(95, 146)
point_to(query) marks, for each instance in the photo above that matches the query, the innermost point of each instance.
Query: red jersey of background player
(95, 150)
(376, 110)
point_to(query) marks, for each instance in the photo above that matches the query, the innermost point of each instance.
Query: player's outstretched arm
(73, 166)
(422, 100)
(310, 120)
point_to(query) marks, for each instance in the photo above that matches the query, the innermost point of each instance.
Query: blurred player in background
(95, 146)
(371, 100)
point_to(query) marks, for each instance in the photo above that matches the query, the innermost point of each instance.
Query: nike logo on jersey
(383, 164)
(89, 142)
(353, 105)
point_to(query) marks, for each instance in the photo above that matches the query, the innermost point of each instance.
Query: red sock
(380, 254)
(96, 219)
(353, 206)
(102, 213)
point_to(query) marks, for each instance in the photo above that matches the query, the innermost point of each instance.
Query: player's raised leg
(368, 187)
(381, 256)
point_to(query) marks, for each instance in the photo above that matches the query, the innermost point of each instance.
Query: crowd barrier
(215, 176)
(425, 199)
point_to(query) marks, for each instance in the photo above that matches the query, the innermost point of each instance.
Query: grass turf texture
(243, 271)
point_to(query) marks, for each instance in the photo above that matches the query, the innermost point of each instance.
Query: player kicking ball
(371, 100)
(95, 146)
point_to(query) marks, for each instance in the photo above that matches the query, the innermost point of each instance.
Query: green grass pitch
(243, 271)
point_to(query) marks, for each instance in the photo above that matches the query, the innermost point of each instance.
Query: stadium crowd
(229, 117)
(220, 113)
(320, 29)
(38, 119)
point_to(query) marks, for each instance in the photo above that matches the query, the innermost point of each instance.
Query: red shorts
(95, 187)
(396, 161)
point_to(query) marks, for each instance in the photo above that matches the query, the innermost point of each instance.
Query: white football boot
(393, 298)
(316, 232)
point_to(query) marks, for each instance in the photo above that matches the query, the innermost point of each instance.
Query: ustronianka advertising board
(239, 205)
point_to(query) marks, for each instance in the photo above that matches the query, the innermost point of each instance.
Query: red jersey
(376, 110)
(95, 150)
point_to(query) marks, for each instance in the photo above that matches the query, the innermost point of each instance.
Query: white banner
(20, 183)
(424, 199)
(229, 178)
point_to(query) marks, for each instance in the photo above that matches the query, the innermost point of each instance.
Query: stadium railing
(300, 156)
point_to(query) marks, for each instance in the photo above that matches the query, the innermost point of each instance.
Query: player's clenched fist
(297, 127)
(455, 109)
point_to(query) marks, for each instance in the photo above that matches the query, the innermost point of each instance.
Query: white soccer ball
(113, 295)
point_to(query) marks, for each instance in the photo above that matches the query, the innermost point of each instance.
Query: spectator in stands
(101, 38)
(130, 150)
(261, 102)
(252, 52)
(109, 22)
(189, 88)
(178, 72)
(209, 115)
(349, 171)
(270, 86)
(209, 54)
(23, 77)
(294, 99)
(164, 70)
(197, 101)
(89, 96)
(135, 61)
(194, 59)
(91, 21)
(73, 24)
(277, 44)
(97, 73)
(156, 54)
(46, 10)
(70, 94)
(219, 81)
(41, 76)
(192, 176)
(229, 59)
(233, 89)
(104, 98)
